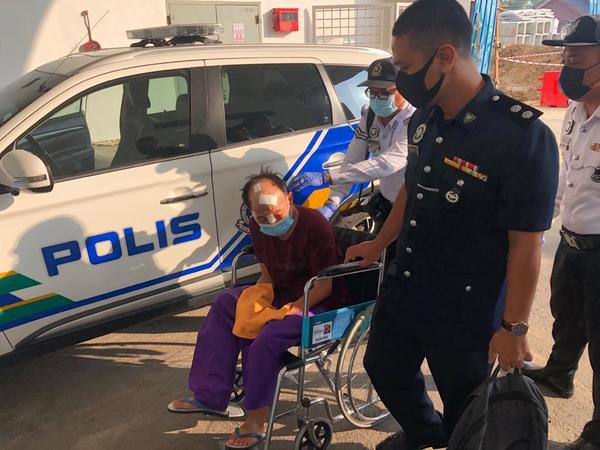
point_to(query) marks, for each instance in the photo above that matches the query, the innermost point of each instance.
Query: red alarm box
(285, 19)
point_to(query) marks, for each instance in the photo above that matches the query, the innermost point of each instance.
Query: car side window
(135, 120)
(345, 80)
(268, 99)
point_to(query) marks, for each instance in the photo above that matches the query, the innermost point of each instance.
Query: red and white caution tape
(519, 59)
(522, 61)
(531, 55)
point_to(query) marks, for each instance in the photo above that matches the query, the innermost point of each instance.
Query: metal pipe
(234, 269)
(272, 412)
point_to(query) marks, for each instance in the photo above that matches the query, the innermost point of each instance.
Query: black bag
(506, 413)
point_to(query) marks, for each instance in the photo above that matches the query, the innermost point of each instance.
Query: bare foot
(189, 404)
(247, 427)
(182, 404)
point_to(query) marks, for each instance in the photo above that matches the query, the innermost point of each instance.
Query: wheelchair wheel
(315, 434)
(238, 393)
(355, 394)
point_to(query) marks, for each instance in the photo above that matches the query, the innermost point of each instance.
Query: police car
(120, 169)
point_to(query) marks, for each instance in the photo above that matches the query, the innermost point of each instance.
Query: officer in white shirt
(378, 150)
(575, 282)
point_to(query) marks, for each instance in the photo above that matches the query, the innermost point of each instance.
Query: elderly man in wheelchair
(300, 280)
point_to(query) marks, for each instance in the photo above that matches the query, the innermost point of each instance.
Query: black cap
(382, 74)
(585, 31)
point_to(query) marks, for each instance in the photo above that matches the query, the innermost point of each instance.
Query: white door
(131, 213)
(241, 21)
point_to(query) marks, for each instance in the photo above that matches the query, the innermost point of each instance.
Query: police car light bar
(170, 31)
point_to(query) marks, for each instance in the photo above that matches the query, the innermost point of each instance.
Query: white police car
(120, 169)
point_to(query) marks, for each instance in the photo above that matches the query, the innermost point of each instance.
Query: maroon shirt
(310, 248)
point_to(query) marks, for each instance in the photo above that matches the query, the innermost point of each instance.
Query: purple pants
(217, 349)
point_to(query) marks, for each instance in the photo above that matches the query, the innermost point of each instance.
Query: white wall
(305, 32)
(33, 32)
(305, 7)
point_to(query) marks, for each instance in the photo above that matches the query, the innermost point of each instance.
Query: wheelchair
(334, 342)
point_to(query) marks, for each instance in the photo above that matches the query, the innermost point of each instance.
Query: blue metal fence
(594, 6)
(484, 26)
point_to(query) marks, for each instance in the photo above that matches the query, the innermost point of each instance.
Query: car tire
(359, 221)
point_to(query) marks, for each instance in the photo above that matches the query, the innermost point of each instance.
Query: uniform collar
(398, 119)
(470, 114)
(580, 114)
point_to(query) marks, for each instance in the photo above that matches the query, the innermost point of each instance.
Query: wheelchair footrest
(291, 361)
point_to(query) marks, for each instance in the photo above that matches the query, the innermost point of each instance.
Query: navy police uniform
(492, 168)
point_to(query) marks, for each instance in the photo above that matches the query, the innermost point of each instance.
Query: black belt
(581, 241)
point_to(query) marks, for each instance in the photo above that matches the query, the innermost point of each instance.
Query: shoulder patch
(521, 113)
(417, 118)
(360, 134)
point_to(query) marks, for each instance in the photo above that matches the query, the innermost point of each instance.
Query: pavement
(112, 392)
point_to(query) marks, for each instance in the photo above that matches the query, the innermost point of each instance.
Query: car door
(130, 219)
(280, 114)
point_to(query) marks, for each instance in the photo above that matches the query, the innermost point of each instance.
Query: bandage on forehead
(257, 187)
(268, 199)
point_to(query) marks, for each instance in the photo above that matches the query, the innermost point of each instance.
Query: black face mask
(571, 82)
(412, 87)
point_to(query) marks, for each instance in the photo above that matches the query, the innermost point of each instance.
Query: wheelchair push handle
(339, 270)
(248, 250)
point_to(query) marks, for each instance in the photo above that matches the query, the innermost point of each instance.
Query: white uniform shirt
(387, 148)
(578, 197)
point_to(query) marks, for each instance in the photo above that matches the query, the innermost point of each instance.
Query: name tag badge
(413, 150)
(374, 146)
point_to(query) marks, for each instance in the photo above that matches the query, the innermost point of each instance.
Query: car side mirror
(23, 171)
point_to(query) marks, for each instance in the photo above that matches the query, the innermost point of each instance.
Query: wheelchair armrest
(347, 269)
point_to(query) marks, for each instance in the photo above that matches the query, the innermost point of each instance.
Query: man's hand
(306, 179)
(369, 251)
(511, 351)
(327, 209)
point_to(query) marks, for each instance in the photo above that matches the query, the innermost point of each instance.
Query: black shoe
(560, 384)
(399, 441)
(582, 444)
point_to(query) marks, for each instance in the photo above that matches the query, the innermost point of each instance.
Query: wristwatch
(515, 328)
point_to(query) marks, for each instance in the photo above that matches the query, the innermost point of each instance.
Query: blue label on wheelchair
(329, 326)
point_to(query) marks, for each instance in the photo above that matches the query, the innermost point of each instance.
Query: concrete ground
(111, 392)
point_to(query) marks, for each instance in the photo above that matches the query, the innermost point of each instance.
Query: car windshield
(23, 91)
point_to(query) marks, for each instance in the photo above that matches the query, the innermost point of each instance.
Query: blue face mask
(383, 108)
(278, 228)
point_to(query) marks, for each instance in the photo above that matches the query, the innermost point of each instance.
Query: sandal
(230, 412)
(238, 434)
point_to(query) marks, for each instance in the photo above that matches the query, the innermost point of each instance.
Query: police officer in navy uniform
(480, 185)
(575, 281)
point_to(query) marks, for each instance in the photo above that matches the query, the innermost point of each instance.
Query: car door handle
(182, 198)
(332, 164)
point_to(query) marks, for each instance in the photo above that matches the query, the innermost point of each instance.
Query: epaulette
(522, 113)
